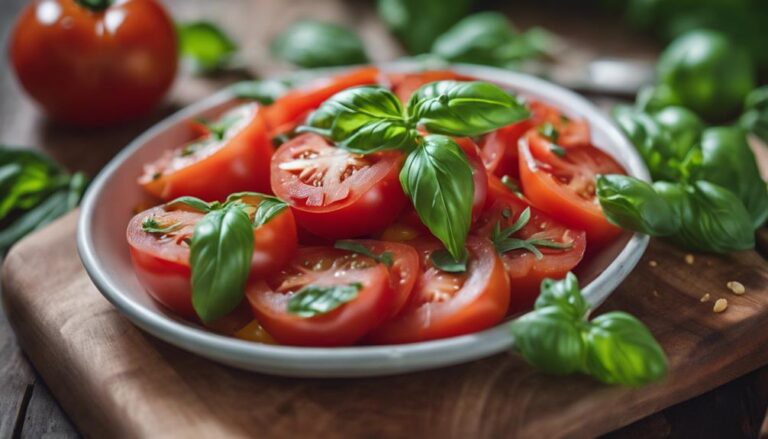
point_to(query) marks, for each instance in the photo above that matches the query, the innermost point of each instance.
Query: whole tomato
(94, 62)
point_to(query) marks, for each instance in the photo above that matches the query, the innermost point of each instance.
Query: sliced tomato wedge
(499, 149)
(334, 193)
(403, 271)
(564, 187)
(524, 269)
(404, 84)
(161, 260)
(325, 267)
(215, 164)
(571, 132)
(449, 304)
(293, 107)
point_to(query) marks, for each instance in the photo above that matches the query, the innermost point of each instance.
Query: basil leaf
(309, 43)
(313, 300)
(621, 350)
(564, 294)
(220, 258)
(151, 225)
(356, 247)
(633, 204)
(269, 208)
(442, 260)
(205, 45)
(26, 178)
(712, 218)
(550, 340)
(52, 207)
(265, 92)
(464, 108)
(362, 120)
(418, 23)
(192, 202)
(684, 128)
(727, 160)
(652, 98)
(438, 180)
(755, 117)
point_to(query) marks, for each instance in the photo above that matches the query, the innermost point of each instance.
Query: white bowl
(108, 205)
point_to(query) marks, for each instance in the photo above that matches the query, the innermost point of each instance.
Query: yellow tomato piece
(253, 331)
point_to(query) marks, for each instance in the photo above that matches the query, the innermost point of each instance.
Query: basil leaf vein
(314, 300)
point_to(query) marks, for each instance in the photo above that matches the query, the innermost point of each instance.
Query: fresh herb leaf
(511, 185)
(220, 257)
(269, 208)
(549, 131)
(313, 300)
(557, 150)
(418, 23)
(755, 117)
(309, 44)
(503, 241)
(564, 294)
(95, 5)
(438, 179)
(633, 204)
(265, 92)
(363, 120)
(459, 108)
(356, 247)
(151, 225)
(205, 45)
(226, 122)
(444, 261)
(550, 340)
(192, 202)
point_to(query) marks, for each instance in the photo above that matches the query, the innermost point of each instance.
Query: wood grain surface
(113, 379)
(26, 408)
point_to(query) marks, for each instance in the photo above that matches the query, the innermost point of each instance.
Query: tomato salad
(370, 208)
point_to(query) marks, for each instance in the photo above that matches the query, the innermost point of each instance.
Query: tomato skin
(572, 132)
(290, 109)
(404, 269)
(480, 302)
(162, 265)
(369, 200)
(479, 176)
(90, 68)
(240, 163)
(525, 272)
(340, 327)
(573, 204)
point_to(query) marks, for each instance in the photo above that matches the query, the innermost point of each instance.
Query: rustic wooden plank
(44, 417)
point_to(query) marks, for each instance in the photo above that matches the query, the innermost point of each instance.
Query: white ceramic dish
(107, 207)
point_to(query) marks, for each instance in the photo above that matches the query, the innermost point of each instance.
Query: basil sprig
(205, 46)
(557, 338)
(311, 43)
(436, 175)
(504, 242)
(313, 300)
(755, 116)
(221, 248)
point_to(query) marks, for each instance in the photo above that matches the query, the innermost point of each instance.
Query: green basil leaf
(193, 202)
(550, 340)
(269, 208)
(265, 91)
(755, 117)
(26, 179)
(652, 98)
(621, 350)
(356, 247)
(633, 204)
(313, 300)
(438, 179)
(151, 225)
(362, 120)
(205, 45)
(418, 23)
(220, 258)
(712, 218)
(52, 207)
(78, 182)
(727, 160)
(458, 108)
(564, 294)
(684, 128)
(444, 261)
(309, 44)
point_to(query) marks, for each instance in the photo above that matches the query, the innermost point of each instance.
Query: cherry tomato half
(218, 163)
(323, 266)
(449, 304)
(161, 261)
(524, 269)
(94, 67)
(564, 187)
(334, 193)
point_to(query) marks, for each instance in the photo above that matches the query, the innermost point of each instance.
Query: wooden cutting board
(114, 380)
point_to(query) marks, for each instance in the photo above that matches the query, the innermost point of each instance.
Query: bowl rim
(326, 361)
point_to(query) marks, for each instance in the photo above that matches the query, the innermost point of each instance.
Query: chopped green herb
(549, 131)
(151, 225)
(313, 300)
(503, 241)
(355, 247)
(557, 150)
(511, 185)
(443, 260)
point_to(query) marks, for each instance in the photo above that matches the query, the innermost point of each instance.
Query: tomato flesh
(405, 84)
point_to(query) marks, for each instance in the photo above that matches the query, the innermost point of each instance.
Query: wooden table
(27, 408)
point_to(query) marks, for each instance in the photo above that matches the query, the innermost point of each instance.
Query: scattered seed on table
(656, 293)
(720, 305)
(705, 298)
(736, 287)
(653, 263)
(689, 259)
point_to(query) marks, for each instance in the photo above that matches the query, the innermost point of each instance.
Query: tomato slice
(479, 176)
(449, 304)
(216, 164)
(404, 84)
(571, 132)
(525, 271)
(334, 193)
(323, 266)
(161, 261)
(564, 187)
(291, 109)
